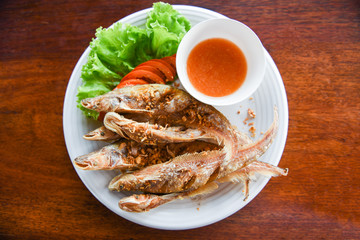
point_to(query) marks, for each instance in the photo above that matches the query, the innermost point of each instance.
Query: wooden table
(315, 45)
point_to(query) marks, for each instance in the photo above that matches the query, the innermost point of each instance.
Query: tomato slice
(173, 71)
(170, 60)
(148, 76)
(162, 66)
(131, 82)
(152, 69)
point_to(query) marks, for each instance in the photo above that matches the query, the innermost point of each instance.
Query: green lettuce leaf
(168, 28)
(122, 47)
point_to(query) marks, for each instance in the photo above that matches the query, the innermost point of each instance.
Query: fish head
(102, 103)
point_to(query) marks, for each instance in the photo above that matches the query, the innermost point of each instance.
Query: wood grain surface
(316, 46)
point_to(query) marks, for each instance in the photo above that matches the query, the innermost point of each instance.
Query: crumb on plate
(245, 121)
(252, 131)
(251, 113)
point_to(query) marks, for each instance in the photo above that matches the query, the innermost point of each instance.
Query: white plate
(182, 214)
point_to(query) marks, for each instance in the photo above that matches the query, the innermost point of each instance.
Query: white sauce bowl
(240, 35)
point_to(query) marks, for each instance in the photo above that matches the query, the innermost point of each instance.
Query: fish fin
(207, 188)
(247, 173)
(235, 177)
(238, 176)
(266, 169)
(246, 188)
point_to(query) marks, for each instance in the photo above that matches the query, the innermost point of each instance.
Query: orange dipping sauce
(216, 67)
